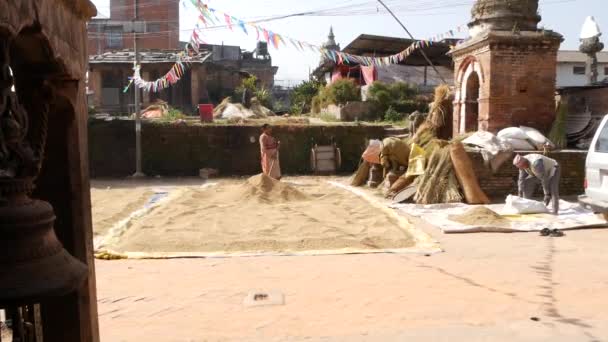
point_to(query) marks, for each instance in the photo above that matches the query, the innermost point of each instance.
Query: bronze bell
(33, 263)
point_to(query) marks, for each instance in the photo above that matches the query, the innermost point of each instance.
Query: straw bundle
(558, 131)
(439, 183)
(217, 111)
(439, 106)
(362, 174)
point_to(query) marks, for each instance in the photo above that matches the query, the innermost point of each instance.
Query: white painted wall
(414, 74)
(567, 78)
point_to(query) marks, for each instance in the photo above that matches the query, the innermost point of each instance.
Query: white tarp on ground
(571, 216)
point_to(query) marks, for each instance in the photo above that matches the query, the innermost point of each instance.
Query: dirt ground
(484, 287)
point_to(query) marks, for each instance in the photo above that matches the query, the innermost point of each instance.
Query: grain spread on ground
(261, 214)
(480, 216)
(111, 205)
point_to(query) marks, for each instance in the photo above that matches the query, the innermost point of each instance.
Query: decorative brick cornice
(508, 40)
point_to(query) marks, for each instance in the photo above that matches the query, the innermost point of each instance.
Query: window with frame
(605, 71)
(578, 70)
(152, 27)
(602, 141)
(114, 37)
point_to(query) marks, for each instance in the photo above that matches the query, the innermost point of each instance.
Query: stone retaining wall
(181, 150)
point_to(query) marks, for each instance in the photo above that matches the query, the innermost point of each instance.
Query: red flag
(266, 36)
(228, 21)
(257, 32)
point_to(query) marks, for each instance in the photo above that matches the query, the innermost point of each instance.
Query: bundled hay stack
(157, 110)
(447, 167)
(228, 110)
(558, 131)
(439, 183)
(219, 109)
(259, 110)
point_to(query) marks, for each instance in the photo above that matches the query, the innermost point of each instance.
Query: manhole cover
(264, 298)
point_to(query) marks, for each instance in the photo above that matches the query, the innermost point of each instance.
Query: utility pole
(138, 171)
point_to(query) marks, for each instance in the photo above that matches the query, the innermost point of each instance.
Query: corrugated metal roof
(371, 45)
(572, 56)
(145, 57)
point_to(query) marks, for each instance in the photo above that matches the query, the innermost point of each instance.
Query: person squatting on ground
(534, 169)
(269, 149)
(394, 155)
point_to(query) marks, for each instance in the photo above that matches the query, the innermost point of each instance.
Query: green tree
(250, 83)
(399, 97)
(302, 96)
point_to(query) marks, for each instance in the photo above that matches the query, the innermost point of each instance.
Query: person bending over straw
(269, 148)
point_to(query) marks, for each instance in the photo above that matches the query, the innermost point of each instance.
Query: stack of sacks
(524, 138)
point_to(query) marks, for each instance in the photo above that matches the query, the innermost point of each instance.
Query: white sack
(536, 137)
(517, 205)
(512, 133)
(519, 144)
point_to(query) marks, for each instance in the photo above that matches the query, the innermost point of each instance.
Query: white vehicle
(596, 172)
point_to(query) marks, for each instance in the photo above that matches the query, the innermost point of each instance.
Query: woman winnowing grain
(269, 149)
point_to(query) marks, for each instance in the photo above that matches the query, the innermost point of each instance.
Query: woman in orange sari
(269, 148)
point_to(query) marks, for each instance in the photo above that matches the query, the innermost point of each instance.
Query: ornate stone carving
(505, 15)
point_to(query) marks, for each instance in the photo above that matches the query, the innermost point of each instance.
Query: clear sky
(424, 19)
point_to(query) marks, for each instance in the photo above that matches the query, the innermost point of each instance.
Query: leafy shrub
(399, 95)
(250, 83)
(338, 93)
(316, 105)
(302, 96)
(343, 91)
(264, 96)
(392, 115)
(173, 115)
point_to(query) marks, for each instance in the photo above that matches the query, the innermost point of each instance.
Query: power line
(421, 50)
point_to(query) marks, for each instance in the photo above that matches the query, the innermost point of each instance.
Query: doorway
(471, 115)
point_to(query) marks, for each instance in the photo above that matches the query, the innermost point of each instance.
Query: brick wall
(581, 99)
(162, 25)
(181, 150)
(517, 75)
(504, 181)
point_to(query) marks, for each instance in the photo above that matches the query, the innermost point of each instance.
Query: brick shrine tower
(505, 72)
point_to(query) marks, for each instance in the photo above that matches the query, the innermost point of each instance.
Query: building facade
(571, 68)
(212, 76)
(158, 27)
(413, 70)
(505, 73)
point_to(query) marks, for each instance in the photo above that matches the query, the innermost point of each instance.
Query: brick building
(413, 70)
(159, 27)
(213, 75)
(209, 80)
(505, 73)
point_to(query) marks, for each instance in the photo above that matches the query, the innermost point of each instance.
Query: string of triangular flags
(208, 15)
(170, 78)
(173, 76)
